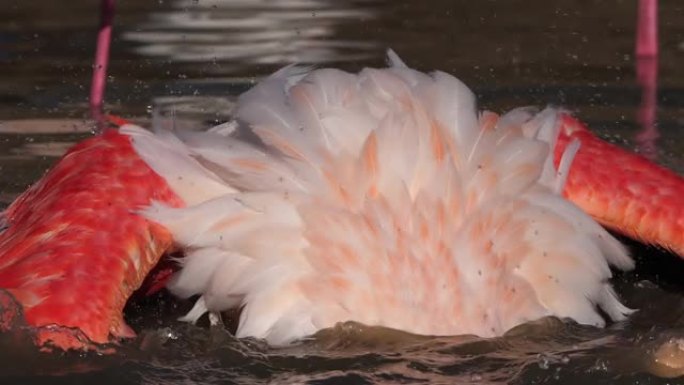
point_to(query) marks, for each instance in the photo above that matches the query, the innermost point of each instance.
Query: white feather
(380, 198)
(171, 159)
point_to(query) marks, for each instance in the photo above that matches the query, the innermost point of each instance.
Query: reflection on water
(253, 32)
(45, 126)
(182, 63)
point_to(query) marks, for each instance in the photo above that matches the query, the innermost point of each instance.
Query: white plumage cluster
(381, 197)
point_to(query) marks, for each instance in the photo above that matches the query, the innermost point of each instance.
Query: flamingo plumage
(333, 194)
(624, 191)
(72, 251)
(380, 198)
(351, 187)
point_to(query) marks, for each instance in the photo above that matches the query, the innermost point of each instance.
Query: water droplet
(543, 361)
(600, 366)
(170, 334)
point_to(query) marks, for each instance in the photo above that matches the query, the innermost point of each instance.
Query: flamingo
(328, 196)
(81, 240)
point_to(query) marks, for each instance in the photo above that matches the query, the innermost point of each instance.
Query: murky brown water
(190, 58)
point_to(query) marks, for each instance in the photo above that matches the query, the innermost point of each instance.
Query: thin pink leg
(647, 29)
(99, 80)
(647, 75)
(648, 136)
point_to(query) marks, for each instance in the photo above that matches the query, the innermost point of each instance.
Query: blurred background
(578, 53)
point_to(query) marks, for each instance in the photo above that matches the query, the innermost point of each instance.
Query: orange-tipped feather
(366, 236)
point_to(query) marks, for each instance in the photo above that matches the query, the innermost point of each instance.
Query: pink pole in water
(99, 80)
(647, 74)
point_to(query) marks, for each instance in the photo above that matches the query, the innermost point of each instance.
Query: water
(188, 59)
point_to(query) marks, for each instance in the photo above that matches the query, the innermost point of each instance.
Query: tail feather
(384, 198)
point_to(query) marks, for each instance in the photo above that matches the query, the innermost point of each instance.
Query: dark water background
(190, 58)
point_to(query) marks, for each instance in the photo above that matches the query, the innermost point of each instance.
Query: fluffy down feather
(384, 198)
